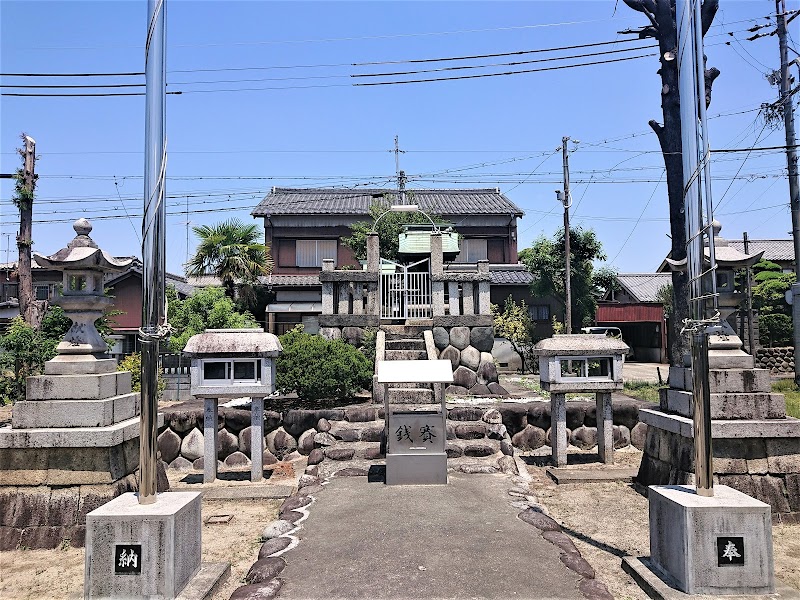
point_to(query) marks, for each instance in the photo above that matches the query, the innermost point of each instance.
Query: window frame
(318, 255)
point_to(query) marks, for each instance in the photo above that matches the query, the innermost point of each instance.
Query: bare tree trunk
(663, 27)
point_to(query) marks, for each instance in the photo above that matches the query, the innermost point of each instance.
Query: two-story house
(305, 226)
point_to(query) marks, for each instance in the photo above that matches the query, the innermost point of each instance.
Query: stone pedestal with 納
(720, 545)
(143, 550)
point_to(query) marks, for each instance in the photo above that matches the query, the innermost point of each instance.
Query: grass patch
(643, 390)
(788, 388)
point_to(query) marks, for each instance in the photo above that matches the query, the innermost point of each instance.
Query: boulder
(626, 412)
(193, 445)
(507, 465)
(547, 438)
(465, 413)
(539, 414)
(351, 472)
(480, 390)
(297, 421)
(472, 468)
(498, 390)
(471, 358)
(340, 453)
(281, 443)
(169, 444)
(470, 431)
(487, 372)
(452, 354)
(530, 438)
(496, 431)
(305, 444)
(360, 414)
(372, 434)
(227, 443)
(506, 448)
(373, 453)
(453, 451)
(237, 460)
(273, 545)
(244, 440)
(237, 419)
(492, 416)
(323, 425)
(638, 435)
(200, 464)
(316, 456)
(180, 464)
(268, 458)
(591, 589)
(459, 337)
(353, 336)
(622, 436)
(456, 390)
(265, 569)
(184, 421)
(346, 432)
(482, 338)
(561, 540)
(575, 562)
(276, 529)
(515, 416)
(464, 377)
(478, 450)
(576, 413)
(258, 591)
(441, 338)
(539, 520)
(324, 439)
(508, 359)
(584, 437)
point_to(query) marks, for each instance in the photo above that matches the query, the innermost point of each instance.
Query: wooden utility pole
(30, 310)
(748, 288)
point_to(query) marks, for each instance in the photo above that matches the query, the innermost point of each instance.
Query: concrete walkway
(642, 371)
(459, 541)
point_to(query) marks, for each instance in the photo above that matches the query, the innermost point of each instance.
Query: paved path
(463, 540)
(642, 371)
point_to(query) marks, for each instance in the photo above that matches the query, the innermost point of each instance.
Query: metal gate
(405, 294)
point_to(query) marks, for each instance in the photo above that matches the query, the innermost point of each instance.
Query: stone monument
(73, 444)
(756, 447)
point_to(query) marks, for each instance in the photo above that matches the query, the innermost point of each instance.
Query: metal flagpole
(698, 211)
(153, 240)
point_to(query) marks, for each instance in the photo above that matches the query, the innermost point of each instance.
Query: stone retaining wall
(469, 350)
(356, 431)
(777, 360)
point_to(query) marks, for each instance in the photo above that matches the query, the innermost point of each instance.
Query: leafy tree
(209, 308)
(230, 251)
(389, 229)
(769, 297)
(665, 296)
(514, 323)
(133, 363)
(545, 259)
(317, 368)
(662, 26)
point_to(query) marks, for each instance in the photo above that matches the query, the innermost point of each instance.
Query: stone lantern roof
(727, 256)
(233, 343)
(581, 344)
(83, 253)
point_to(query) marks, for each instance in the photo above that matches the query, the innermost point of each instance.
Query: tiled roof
(643, 287)
(510, 277)
(773, 249)
(298, 201)
(296, 280)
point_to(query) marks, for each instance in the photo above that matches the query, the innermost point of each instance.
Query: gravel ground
(610, 520)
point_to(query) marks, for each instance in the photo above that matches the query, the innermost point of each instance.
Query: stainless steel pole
(153, 240)
(703, 469)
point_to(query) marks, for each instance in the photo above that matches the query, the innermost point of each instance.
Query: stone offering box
(581, 363)
(231, 363)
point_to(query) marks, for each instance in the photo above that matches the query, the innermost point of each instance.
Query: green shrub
(133, 363)
(775, 330)
(317, 368)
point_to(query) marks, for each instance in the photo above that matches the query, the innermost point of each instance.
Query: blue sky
(290, 115)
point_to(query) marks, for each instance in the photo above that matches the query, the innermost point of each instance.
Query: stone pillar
(327, 288)
(256, 439)
(373, 306)
(358, 298)
(271, 322)
(437, 256)
(469, 299)
(373, 253)
(452, 291)
(437, 293)
(210, 440)
(484, 287)
(344, 297)
(605, 427)
(796, 322)
(558, 428)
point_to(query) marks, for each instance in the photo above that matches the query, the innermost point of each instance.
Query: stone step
(401, 332)
(728, 406)
(406, 354)
(410, 384)
(93, 386)
(723, 381)
(75, 413)
(410, 395)
(406, 344)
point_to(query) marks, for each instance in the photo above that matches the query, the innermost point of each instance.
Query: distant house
(305, 226)
(46, 284)
(638, 313)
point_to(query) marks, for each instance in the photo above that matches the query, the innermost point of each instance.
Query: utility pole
(27, 305)
(785, 99)
(567, 201)
(401, 175)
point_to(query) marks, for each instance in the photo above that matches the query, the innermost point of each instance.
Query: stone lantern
(84, 266)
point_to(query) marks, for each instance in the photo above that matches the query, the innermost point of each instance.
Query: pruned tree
(663, 27)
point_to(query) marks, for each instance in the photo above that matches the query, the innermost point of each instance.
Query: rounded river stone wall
(777, 360)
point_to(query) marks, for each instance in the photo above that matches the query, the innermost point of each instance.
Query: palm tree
(230, 251)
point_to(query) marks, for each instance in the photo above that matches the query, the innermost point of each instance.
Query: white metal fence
(405, 295)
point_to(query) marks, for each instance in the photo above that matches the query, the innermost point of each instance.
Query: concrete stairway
(406, 342)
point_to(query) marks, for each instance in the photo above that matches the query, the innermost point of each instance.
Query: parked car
(600, 330)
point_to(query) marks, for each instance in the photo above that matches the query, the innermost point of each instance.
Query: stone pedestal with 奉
(719, 545)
